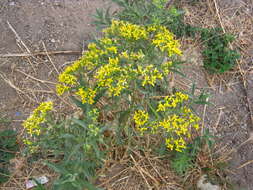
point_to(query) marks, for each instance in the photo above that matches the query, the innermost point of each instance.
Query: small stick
(218, 120)
(203, 120)
(161, 177)
(217, 11)
(118, 174)
(50, 59)
(40, 54)
(245, 164)
(39, 80)
(245, 87)
(250, 139)
(15, 87)
(18, 37)
(141, 172)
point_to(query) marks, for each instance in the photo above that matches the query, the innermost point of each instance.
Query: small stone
(203, 184)
(12, 3)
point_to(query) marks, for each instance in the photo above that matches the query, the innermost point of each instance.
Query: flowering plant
(121, 83)
(127, 56)
(129, 67)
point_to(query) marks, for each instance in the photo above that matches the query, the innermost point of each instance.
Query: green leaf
(153, 110)
(56, 168)
(182, 162)
(78, 103)
(79, 122)
(124, 116)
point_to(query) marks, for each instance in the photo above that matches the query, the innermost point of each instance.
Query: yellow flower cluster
(67, 78)
(150, 74)
(32, 123)
(172, 101)
(132, 55)
(126, 30)
(141, 118)
(88, 61)
(87, 96)
(179, 126)
(176, 125)
(61, 89)
(175, 144)
(113, 65)
(93, 130)
(112, 76)
(159, 35)
(164, 40)
(166, 67)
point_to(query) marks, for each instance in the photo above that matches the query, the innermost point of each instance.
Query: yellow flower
(32, 148)
(137, 56)
(180, 144)
(140, 118)
(60, 89)
(126, 30)
(164, 40)
(169, 143)
(112, 49)
(166, 67)
(106, 41)
(112, 76)
(67, 79)
(120, 85)
(149, 75)
(32, 123)
(73, 68)
(152, 28)
(87, 96)
(172, 101)
(114, 61)
(93, 130)
(175, 144)
(92, 46)
(125, 55)
(105, 72)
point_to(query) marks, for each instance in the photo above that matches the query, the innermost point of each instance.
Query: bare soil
(49, 25)
(43, 25)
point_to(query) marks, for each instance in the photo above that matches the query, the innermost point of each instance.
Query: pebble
(203, 184)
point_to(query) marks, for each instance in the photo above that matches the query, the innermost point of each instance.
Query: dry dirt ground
(43, 25)
(56, 25)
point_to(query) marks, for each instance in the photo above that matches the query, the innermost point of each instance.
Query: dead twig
(40, 54)
(15, 87)
(140, 170)
(39, 80)
(50, 59)
(203, 118)
(245, 164)
(18, 37)
(219, 17)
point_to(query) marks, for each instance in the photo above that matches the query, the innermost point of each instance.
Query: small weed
(4, 121)
(8, 149)
(183, 161)
(218, 57)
